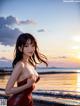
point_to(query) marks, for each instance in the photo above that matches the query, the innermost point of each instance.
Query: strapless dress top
(23, 98)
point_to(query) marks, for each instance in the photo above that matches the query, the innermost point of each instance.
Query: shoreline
(51, 72)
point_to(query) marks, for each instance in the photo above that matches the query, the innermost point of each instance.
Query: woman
(26, 57)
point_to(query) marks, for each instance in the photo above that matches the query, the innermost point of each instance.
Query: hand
(30, 82)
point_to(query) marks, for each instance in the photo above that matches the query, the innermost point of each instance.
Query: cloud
(10, 20)
(60, 57)
(41, 30)
(8, 36)
(8, 33)
(29, 21)
(64, 57)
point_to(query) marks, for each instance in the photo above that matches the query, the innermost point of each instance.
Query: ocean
(63, 79)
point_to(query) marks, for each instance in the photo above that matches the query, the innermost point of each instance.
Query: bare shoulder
(17, 70)
(19, 65)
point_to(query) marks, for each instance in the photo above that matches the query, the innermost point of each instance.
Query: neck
(25, 59)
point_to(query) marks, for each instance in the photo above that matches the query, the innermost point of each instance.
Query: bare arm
(10, 89)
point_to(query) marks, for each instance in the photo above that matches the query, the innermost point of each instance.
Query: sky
(54, 23)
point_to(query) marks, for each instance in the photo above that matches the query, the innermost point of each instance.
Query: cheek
(26, 49)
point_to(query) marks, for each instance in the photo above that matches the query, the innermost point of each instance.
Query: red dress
(23, 98)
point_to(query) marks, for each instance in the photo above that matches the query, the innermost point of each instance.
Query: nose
(31, 49)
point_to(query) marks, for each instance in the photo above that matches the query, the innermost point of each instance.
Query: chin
(30, 55)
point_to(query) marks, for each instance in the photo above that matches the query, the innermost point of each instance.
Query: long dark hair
(36, 58)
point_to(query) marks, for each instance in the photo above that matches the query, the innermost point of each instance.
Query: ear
(20, 48)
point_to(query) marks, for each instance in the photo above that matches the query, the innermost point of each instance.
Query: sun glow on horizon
(78, 56)
(76, 38)
(76, 47)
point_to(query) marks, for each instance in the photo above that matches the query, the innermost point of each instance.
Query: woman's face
(29, 48)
